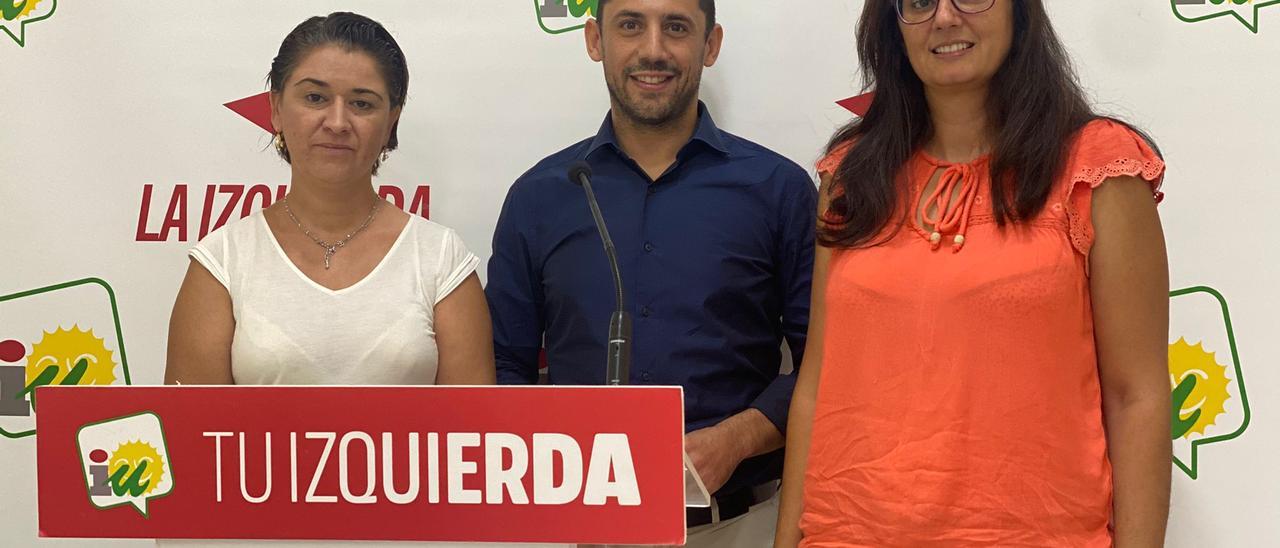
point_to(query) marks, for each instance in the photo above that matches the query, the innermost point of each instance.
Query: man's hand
(716, 451)
(715, 454)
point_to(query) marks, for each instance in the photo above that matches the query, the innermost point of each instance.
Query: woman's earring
(281, 147)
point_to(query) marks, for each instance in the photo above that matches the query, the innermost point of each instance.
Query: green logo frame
(21, 37)
(115, 316)
(537, 12)
(1251, 25)
(1192, 468)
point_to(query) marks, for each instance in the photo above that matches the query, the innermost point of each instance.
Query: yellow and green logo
(15, 15)
(125, 460)
(1210, 404)
(560, 16)
(62, 335)
(1244, 11)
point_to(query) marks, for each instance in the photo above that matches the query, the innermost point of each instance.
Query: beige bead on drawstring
(948, 217)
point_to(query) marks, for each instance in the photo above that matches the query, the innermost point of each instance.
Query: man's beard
(659, 115)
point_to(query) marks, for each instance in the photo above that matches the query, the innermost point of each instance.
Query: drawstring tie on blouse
(945, 217)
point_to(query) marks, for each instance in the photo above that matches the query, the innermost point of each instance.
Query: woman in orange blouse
(990, 304)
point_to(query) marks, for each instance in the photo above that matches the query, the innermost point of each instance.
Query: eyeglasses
(914, 12)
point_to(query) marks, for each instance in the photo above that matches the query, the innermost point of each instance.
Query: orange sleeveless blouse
(959, 402)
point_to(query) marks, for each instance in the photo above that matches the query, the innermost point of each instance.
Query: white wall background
(107, 97)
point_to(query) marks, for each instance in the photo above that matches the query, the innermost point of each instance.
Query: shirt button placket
(645, 265)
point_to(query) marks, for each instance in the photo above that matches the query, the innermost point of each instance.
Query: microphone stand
(618, 368)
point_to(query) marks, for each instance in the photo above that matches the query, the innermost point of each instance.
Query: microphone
(618, 368)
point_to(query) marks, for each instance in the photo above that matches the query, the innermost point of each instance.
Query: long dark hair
(1035, 104)
(352, 32)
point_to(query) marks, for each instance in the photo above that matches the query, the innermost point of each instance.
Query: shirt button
(652, 190)
(646, 377)
(648, 247)
(644, 311)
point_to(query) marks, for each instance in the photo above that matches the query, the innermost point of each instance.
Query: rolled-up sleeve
(797, 219)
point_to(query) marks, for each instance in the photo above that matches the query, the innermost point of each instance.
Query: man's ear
(714, 41)
(595, 49)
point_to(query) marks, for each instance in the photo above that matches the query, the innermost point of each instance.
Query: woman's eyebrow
(323, 84)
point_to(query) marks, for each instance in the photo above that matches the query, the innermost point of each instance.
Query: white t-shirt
(291, 330)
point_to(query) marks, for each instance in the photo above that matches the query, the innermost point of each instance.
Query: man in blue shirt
(715, 240)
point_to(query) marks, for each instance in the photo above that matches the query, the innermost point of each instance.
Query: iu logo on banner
(125, 461)
(65, 335)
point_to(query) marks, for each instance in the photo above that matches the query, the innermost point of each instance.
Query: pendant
(328, 254)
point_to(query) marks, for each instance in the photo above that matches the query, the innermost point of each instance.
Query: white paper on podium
(695, 492)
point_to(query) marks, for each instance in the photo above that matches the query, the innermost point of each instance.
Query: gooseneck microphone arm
(618, 362)
(582, 176)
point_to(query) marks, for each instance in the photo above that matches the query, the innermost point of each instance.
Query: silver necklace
(331, 247)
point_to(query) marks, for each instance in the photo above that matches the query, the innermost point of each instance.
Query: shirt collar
(706, 132)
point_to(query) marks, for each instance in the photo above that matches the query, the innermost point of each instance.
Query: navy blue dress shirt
(716, 258)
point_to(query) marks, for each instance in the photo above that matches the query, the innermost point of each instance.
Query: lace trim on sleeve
(1079, 201)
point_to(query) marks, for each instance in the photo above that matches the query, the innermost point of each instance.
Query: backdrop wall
(117, 153)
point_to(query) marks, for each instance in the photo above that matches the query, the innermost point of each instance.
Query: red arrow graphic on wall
(858, 104)
(256, 109)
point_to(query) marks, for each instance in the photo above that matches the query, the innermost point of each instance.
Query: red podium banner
(484, 464)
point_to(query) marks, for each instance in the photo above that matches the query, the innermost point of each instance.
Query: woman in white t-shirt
(332, 285)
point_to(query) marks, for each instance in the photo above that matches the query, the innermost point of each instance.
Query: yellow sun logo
(62, 352)
(1199, 385)
(31, 5)
(136, 466)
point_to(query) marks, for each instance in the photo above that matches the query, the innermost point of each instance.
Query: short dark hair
(352, 32)
(708, 7)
